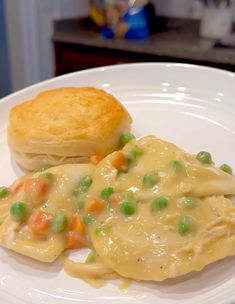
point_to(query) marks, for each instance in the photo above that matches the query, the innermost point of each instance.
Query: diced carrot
(94, 205)
(114, 199)
(76, 224)
(118, 161)
(17, 185)
(39, 222)
(34, 188)
(74, 240)
(95, 159)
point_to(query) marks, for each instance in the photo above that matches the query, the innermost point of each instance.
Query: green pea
(127, 208)
(176, 166)
(125, 138)
(88, 219)
(130, 158)
(79, 194)
(106, 193)
(137, 151)
(128, 195)
(78, 191)
(86, 181)
(102, 229)
(48, 175)
(4, 192)
(226, 168)
(159, 203)
(189, 202)
(18, 211)
(91, 257)
(81, 201)
(204, 157)
(84, 184)
(131, 155)
(59, 222)
(185, 225)
(42, 168)
(149, 180)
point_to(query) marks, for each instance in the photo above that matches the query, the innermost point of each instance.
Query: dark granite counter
(178, 40)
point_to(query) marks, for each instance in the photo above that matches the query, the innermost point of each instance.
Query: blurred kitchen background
(43, 38)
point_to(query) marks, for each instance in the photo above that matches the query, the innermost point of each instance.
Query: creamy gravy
(57, 199)
(141, 242)
(147, 245)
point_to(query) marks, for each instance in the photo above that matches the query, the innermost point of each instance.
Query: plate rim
(116, 67)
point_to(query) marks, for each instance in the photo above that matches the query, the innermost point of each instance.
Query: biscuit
(65, 125)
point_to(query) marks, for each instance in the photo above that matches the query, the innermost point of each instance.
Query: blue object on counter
(107, 32)
(136, 22)
(136, 18)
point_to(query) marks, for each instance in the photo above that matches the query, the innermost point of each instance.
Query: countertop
(178, 38)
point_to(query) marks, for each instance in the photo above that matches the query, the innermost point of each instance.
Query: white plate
(191, 106)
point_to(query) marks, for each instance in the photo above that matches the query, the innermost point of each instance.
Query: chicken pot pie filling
(148, 212)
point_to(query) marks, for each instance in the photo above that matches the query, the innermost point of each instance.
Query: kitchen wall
(70, 8)
(182, 8)
(178, 8)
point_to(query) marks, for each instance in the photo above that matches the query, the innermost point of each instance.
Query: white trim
(29, 31)
(22, 41)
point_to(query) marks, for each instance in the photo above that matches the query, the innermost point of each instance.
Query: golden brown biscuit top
(68, 113)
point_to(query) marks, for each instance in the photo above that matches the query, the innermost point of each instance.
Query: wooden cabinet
(70, 57)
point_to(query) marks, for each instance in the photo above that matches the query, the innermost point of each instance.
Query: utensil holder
(216, 22)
